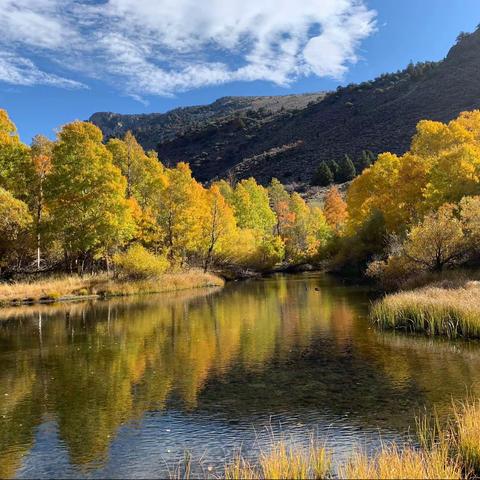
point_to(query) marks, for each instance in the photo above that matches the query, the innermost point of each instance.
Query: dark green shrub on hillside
(333, 166)
(323, 176)
(346, 170)
(366, 160)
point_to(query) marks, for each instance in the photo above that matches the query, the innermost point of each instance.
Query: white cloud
(35, 23)
(159, 47)
(22, 71)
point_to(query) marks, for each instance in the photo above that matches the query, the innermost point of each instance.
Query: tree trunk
(208, 259)
(39, 220)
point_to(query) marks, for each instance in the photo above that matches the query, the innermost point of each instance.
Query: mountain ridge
(287, 136)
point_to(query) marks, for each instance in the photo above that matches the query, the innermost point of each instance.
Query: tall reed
(451, 312)
(283, 460)
(466, 434)
(393, 462)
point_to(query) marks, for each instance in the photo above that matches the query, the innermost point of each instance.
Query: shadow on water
(120, 388)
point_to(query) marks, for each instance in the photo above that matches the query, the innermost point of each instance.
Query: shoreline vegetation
(441, 305)
(81, 203)
(450, 450)
(66, 288)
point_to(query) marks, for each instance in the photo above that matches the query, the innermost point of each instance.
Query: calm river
(123, 388)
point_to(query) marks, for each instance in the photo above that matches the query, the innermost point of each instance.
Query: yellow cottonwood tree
(14, 219)
(41, 157)
(181, 213)
(14, 158)
(438, 241)
(85, 195)
(219, 225)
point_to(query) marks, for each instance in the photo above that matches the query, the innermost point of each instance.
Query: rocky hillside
(288, 136)
(155, 128)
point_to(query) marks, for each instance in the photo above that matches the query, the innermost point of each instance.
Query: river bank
(449, 308)
(66, 288)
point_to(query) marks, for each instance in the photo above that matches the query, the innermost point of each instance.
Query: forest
(78, 205)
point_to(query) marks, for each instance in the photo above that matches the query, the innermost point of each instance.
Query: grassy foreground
(448, 452)
(451, 310)
(72, 287)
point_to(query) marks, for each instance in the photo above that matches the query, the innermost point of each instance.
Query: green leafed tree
(143, 171)
(252, 206)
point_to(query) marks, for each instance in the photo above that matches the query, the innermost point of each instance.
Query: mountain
(287, 136)
(154, 128)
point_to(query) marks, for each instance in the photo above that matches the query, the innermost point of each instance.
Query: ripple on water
(124, 388)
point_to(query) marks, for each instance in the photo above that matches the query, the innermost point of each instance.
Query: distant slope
(154, 128)
(287, 137)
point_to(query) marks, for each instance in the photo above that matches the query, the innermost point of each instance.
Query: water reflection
(103, 384)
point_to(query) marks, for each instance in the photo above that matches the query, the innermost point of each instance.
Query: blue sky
(62, 60)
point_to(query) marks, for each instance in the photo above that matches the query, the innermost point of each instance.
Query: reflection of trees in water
(260, 346)
(443, 369)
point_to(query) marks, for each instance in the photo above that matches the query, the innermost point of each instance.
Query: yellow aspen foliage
(252, 207)
(219, 226)
(432, 138)
(456, 174)
(14, 219)
(443, 165)
(41, 166)
(250, 248)
(413, 176)
(307, 233)
(280, 202)
(144, 173)
(181, 213)
(374, 190)
(438, 241)
(85, 194)
(14, 158)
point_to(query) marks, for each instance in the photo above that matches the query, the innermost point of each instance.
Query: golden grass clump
(68, 287)
(466, 432)
(392, 462)
(283, 460)
(435, 310)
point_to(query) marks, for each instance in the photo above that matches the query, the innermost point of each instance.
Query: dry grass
(466, 434)
(68, 287)
(439, 310)
(392, 462)
(283, 460)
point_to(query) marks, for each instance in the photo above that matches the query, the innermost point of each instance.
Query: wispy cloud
(22, 71)
(159, 47)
